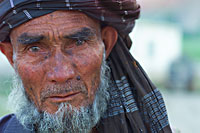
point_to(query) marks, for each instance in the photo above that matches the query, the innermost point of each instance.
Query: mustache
(69, 86)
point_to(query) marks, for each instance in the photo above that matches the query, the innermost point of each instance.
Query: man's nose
(60, 70)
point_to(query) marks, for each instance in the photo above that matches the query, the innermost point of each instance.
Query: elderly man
(74, 72)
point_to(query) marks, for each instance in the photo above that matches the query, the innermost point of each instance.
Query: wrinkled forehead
(61, 20)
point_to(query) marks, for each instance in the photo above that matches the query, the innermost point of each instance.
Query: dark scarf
(135, 105)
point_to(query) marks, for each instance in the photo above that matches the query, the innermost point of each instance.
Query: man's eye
(80, 42)
(34, 49)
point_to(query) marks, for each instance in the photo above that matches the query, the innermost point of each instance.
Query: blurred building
(156, 45)
(183, 12)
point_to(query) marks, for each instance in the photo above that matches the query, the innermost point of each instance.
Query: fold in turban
(135, 103)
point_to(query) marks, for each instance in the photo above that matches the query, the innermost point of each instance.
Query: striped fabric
(121, 98)
(153, 105)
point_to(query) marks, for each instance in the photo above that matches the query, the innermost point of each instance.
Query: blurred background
(166, 43)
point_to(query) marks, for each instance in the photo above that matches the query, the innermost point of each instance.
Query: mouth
(63, 97)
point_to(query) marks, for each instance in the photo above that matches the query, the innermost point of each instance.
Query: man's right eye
(34, 49)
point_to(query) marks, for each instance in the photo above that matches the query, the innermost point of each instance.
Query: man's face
(58, 57)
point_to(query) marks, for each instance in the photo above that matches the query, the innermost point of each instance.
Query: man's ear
(7, 49)
(109, 36)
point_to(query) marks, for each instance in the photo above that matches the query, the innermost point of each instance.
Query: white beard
(67, 118)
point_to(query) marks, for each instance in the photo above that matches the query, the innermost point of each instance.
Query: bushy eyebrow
(84, 33)
(26, 39)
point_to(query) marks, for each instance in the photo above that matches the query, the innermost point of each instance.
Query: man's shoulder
(10, 124)
(4, 121)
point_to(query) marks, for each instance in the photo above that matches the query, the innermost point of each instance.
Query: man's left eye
(80, 42)
(34, 49)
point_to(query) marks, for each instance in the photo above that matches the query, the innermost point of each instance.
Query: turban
(135, 104)
(120, 14)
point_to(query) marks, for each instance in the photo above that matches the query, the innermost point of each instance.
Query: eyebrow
(84, 33)
(26, 39)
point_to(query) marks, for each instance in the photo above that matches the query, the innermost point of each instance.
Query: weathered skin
(58, 57)
(56, 61)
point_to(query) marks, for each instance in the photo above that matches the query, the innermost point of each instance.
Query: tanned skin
(62, 50)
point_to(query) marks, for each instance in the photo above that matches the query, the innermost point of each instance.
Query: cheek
(29, 73)
(32, 78)
(25, 73)
(93, 83)
(89, 65)
(89, 60)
